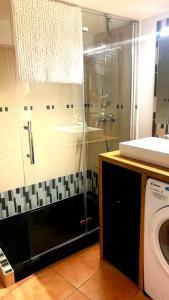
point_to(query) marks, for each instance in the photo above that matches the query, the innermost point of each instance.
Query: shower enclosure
(109, 62)
(52, 135)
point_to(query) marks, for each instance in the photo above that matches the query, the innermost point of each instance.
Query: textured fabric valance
(48, 41)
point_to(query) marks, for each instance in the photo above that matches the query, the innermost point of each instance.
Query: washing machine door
(160, 237)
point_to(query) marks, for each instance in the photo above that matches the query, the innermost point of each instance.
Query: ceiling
(133, 9)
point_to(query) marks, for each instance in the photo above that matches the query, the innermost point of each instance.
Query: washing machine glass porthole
(164, 240)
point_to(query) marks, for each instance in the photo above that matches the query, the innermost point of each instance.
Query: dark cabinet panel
(121, 218)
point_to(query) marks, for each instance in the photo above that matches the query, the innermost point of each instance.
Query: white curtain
(48, 41)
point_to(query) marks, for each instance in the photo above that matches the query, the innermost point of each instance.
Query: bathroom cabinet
(122, 185)
(121, 189)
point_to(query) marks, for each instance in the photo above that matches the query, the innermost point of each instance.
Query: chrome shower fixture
(85, 29)
(106, 101)
(105, 97)
(103, 118)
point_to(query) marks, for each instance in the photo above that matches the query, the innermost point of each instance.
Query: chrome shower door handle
(31, 154)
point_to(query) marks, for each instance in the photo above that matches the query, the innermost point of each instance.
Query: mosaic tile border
(92, 182)
(88, 105)
(118, 106)
(4, 109)
(30, 107)
(52, 107)
(27, 198)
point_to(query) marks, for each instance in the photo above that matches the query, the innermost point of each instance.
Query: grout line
(71, 283)
(136, 295)
(82, 283)
(73, 255)
(89, 278)
(71, 294)
(85, 295)
(64, 279)
(51, 269)
(79, 292)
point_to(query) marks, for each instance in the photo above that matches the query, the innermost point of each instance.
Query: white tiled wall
(53, 158)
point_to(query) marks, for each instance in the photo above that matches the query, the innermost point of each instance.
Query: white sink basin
(151, 150)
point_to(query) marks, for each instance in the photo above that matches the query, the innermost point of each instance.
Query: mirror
(163, 81)
(161, 89)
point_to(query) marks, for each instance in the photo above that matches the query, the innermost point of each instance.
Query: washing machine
(156, 240)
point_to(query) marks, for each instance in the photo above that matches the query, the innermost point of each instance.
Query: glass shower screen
(108, 62)
(52, 134)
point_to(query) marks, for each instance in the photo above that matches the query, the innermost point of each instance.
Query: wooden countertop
(157, 172)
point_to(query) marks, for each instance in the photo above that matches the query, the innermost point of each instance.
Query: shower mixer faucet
(103, 118)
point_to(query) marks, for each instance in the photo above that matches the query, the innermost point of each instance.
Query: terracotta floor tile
(77, 296)
(17, 284)
(94, 250)
(109, 284)
(45, 285)
(78, 268)
(8, 297)
(99, 280)
(141, 296)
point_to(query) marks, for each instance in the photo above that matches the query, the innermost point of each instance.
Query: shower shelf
(73, 135)
(107, 138)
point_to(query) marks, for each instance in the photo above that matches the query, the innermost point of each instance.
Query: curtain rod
(66, 3)
(96, 12)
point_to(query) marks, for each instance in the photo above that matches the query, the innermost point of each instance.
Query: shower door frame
(134, 106)
(133, 98)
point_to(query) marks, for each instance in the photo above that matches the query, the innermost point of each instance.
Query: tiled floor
(79, 277)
